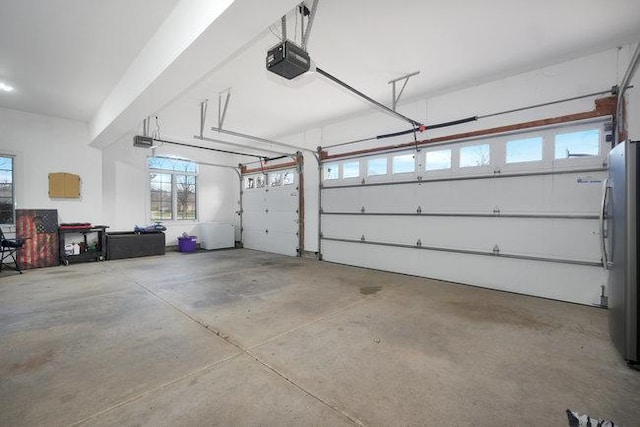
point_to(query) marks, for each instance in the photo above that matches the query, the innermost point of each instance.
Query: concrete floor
(241, 337)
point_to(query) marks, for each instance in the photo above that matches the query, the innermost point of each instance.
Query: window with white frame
(475, 155)
(438, 160)
(351, 169)
(7, 190)
(330, 171)
(524, 150)
(249, 182)
(584, 143)
(403, 163)
(275, 179)
(377, 166)
(173, 189)
(288, 178)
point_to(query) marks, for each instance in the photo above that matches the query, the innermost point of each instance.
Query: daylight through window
(330, 171)
(474, 155)
(6, 190)
(173, 188)
(351, 169)
(524, 150)
(438, 160)
(577, 144)
(404, 163)
(377, 166)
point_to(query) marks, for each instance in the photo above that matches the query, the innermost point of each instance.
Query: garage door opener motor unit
(288, 60)
(142, 141)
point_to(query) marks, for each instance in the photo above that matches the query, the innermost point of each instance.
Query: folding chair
(9, 249)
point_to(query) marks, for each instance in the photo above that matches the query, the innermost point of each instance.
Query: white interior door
(518, 213)
(270, 217)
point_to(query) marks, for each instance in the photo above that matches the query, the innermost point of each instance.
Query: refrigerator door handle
(603, 232)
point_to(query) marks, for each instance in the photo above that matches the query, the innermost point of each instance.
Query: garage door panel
(253, 219)
(570, 193)
(255, 239)
(569, 239)
(398, 198)
(574, 283)
(549, 193)
(253, 200)
(282, 200)
(456, 196)
(517, 219)
(270, 217)
(559, 238)
(282, 221)
(282, 243)
(344, 199)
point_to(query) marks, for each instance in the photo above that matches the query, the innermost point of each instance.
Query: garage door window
(438, 160)
(577, 144)
(474, 155)
(524, 150)
(275, 179)
(330, 171)
(377, 166)
(288, 178)
(351, 169)
(404, 163)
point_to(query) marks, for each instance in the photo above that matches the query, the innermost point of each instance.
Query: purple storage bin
(187, 244)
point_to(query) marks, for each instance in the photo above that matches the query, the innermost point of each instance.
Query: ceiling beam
(197, 37)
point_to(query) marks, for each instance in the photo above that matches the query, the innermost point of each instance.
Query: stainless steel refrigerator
(620, 247)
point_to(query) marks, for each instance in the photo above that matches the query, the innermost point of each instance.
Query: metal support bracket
(305, 33)
(283, 22)
(145, 126)
(203, 116)
(222, 109)
(395, 95)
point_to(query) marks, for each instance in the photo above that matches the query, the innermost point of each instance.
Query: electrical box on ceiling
(288, 60)
(142, 141)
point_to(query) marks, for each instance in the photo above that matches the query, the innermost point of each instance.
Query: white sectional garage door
(270, 218)
(518, 213)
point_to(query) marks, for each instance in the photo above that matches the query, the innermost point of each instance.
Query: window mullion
(174, 197)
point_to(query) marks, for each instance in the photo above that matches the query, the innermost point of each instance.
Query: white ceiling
(63, 57)
(366, 43)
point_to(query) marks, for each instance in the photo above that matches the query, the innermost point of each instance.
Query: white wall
(43, 144)
(632, 96)
(114, 181)
(126, 188)
(593, 73)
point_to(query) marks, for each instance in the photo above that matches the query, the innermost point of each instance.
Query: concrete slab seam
(337, 410)
(246, 351)
(155, 389)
